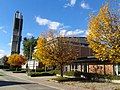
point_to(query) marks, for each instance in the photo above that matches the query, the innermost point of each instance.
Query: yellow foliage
(16, 60)
(57, 51)
(104, 34)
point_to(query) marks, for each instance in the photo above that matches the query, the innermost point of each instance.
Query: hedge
(35, 74)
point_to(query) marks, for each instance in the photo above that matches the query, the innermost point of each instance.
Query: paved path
(11, 81)
(20, 81)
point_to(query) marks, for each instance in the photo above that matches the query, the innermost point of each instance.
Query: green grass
(61, 79)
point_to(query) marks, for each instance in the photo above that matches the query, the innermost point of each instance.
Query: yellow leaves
(41, 50)
(16, 60)
(91, 16)
(104, 34)
(59, 50)
(110, 57)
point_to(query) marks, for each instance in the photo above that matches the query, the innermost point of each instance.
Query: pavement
(20, 81)
(46, 81)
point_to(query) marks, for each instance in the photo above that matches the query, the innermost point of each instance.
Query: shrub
(69, 73)
(73, 73)
(118, 77)
(54, 72)
(109, 77)
(22, 71)
(35, 74)
(115, 77)
(60, 79)
(40, 69)
(12, 69)
(77, 73)
(64, 79)
(4, 67)
(117, 89)
(89, 76)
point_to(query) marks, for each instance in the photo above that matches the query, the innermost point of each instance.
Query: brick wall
(101, 68)
(106, 68)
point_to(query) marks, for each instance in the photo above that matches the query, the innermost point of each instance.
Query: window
(76, 67)
(65, 68)
(84, 67)
(72, 66)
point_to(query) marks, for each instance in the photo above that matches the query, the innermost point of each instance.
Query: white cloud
(61, 28)
(70, 4)
(4, 31)
(54, 25)
(85, 6)
(76, 32)
(29, 34)
(94, 11)
(42, 21)
(1, 27)
(63, 32)
(2, 53)
(64, 27)
(71, 33)
(51, 24)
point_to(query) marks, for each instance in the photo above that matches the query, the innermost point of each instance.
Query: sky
(70, 17)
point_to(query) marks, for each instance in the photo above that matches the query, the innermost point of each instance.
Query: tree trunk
(61, 70)
(33, 64)
(45, 68)
(16, 68)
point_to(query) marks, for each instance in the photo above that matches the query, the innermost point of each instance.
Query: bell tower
(17, 31)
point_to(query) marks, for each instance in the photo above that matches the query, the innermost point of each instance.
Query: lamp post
(31, 51)
(29, 57)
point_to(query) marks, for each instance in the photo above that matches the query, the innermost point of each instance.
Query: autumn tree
(104, 34)
(56, 50)
(28, 46)
(4, 60)
(16, 60)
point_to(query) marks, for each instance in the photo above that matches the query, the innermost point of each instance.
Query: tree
(51, 50)
(4, 60)
(104, 34)
(16, 60)
(28, 46)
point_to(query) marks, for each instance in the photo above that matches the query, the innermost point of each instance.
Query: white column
(116, 68)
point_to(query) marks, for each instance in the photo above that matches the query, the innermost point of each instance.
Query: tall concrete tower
(17, 31)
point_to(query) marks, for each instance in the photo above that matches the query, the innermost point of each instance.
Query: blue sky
(67, 16)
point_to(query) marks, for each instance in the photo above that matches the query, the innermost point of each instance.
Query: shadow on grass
(9, 83)
(85, 80)
(64, 79)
